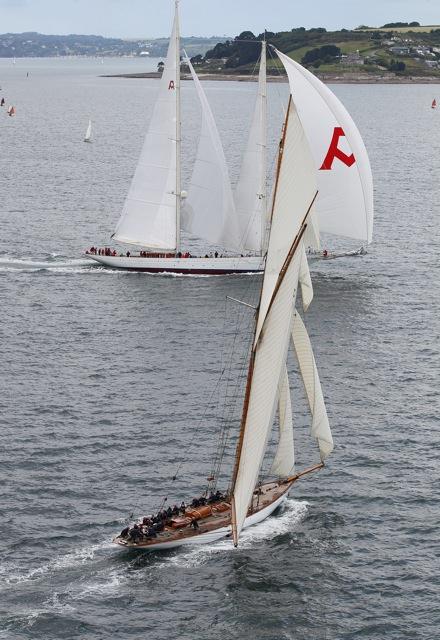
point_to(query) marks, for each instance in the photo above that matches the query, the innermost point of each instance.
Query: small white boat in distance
(88, 136)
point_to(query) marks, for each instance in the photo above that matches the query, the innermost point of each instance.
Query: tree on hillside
(397, 66)
(326, 54)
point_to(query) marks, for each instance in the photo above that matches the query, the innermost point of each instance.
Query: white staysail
(209, 211)
(293, 199)
(345, 202)
(309, 373)
(88, 136)
(285, 454)
(150, 214)
(251, 190)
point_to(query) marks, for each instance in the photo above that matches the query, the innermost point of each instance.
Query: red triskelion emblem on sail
(334, 152)
(171, 85)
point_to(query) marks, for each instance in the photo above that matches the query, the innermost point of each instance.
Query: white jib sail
(285, 455)
(88, 135)
(295, 191)
(209, 210)
(251, 190)
(149, 214)
(320, 425)
(345, 202)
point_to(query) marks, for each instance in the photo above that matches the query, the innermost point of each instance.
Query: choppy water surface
(106, 376)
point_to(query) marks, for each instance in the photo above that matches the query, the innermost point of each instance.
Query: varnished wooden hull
(214, 527)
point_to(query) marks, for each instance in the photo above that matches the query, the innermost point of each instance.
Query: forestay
(150, 210)
(345, 203)
(251, 190)
(209, 211)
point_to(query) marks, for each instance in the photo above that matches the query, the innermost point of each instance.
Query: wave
(31, 264)
(68, 561)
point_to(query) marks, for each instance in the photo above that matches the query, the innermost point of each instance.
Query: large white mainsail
(209, 211)
(294, 196)
(296, 184)
(345, 202)
(251, 190)
(150, 216)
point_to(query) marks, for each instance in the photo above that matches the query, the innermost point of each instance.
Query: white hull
(207, 266)
(212, 536)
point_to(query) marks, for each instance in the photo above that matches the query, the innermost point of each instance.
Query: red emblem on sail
(171, 85)
(334, 152)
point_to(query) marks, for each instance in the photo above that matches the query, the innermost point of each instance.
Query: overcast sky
(152, 18)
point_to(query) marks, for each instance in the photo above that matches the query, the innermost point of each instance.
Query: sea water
(109, 384)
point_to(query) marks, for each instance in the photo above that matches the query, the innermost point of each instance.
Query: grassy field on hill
(422, 29)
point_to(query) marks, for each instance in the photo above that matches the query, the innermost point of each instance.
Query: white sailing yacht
(88, 136)
(151, 217)
(277, 325)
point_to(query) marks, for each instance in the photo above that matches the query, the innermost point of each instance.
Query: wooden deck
(218, 518)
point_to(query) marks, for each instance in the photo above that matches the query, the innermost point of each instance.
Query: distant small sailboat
(88, 136)
(11, 111)
(434, 104)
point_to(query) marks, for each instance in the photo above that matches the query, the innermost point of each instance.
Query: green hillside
(415, 51)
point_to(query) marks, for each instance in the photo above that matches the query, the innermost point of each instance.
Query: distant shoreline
(333, 79)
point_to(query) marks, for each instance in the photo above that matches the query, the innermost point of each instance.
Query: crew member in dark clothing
(182, 508)
(135, 533)
(195, 524)
(124, 532)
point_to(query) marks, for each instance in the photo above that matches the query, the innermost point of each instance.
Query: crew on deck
(154, 524)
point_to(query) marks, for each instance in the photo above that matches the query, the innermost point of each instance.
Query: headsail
(251, 190)
(309, 373)
(345, 203)
(209, 211)
(285, 455)
(149, 216)
(294, 196)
